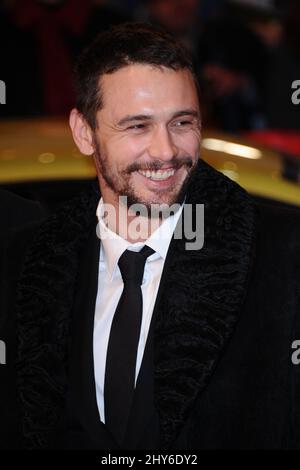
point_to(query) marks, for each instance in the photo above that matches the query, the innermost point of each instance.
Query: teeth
(158, 175)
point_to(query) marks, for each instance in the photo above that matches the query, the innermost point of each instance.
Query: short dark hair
(122, 45)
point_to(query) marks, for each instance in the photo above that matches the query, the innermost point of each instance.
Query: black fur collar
(203, 294)
(196, 313)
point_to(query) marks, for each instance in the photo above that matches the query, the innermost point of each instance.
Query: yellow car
(36, 151)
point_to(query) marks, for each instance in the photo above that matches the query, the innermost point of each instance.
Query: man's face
(148, 134)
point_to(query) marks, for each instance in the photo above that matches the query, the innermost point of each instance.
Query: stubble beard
(120, 185)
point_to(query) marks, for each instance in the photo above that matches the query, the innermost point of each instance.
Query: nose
(161, 145)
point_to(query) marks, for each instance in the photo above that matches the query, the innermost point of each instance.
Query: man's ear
(82, 133)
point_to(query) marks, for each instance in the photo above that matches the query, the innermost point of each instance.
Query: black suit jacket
(217, 369)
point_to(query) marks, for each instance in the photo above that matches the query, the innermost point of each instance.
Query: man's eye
(137, 126)
(184, 123)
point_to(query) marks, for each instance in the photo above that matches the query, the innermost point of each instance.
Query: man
(203, 358)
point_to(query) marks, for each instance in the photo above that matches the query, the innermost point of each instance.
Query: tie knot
(132, 263)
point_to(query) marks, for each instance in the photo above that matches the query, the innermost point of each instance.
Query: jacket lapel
(202, 297)
(44, 298)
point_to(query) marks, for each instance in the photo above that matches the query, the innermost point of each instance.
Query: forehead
(146, 89)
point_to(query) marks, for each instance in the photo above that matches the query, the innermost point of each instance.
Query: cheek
(189, 144)
(126, 150)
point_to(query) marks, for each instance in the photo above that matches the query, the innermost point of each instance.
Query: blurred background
(247, 54)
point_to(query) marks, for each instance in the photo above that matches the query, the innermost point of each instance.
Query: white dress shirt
(110, 287)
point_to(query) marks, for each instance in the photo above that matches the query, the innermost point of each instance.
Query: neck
(126, 222)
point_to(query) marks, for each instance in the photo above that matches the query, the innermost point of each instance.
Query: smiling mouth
(159, 175)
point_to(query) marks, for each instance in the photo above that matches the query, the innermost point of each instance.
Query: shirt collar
(114, 245)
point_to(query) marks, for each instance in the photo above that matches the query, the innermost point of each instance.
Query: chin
(159, 201)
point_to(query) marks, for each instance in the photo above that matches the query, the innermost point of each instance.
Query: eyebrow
(137, 117)
(145, 117)
(187, 112)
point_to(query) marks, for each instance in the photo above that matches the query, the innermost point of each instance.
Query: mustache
(156, 165)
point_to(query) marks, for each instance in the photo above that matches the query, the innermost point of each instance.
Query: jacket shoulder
(279, 225)
(16, 211)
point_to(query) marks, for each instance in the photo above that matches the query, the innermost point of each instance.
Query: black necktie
(123, 343)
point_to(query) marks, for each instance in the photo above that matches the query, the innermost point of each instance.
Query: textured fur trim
(43, 306)
(202, 298)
